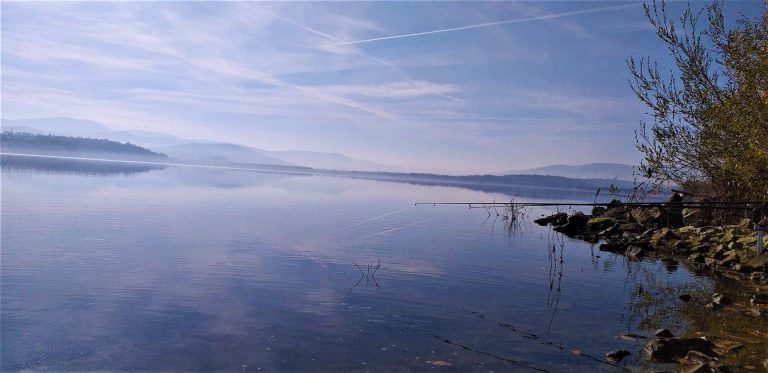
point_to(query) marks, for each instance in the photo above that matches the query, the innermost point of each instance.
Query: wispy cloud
(497, 23)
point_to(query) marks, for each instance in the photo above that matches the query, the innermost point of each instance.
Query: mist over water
(191, 268)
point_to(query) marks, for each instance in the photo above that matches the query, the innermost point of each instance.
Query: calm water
(182, 268)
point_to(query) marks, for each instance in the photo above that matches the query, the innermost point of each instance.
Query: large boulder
(671, 349)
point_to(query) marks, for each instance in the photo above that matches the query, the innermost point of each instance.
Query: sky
(453, 87)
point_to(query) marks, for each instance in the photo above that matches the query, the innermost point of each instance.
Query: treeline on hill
(709, 132)
(65, 145)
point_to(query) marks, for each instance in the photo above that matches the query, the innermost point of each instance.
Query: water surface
(182, 268)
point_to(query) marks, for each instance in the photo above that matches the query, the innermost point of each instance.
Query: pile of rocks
(642, 231)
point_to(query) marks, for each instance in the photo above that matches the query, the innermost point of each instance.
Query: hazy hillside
(14, 142)
(87, 128)
(327, 161)
(220, 153)
(190, 150)
(586, 171)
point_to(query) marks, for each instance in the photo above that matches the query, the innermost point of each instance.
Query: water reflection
(80, 167)
(193, 269)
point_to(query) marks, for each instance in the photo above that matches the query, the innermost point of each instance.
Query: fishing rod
(713, 205)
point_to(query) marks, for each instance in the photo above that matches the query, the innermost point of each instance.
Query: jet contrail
(519, 20)
(386, 64)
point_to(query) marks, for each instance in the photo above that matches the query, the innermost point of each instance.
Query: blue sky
(550, 85)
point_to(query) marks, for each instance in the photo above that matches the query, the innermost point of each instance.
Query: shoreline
(725, 253)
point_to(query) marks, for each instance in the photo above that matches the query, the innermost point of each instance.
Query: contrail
(386, 64)
(394, 229)
(487, 24)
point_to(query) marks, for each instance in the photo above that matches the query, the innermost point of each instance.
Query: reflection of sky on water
(238, 270)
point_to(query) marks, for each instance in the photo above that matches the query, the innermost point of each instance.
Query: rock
(613, 246)
(610, 231)
(578, 217)
(570, 229)
(703, 248)
(685, 297)
(559, 218)
(599, 223)
(632, 337)
(697, 357)
(698, 368)
(634, 252)
(756, 263)
(575, 225)
(721, 299)
(729, 259)
(711, 262)
(758, 277)
(669, 350)
(617, 355)
(759, 298)
(646, 216)
(696, 258)
(718, 252)
(598, 210)
(728, 236)
(663, 333)
(749, 241)
(664, 237)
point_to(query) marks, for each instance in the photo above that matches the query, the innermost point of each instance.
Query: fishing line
(394, 229)
(377, 217)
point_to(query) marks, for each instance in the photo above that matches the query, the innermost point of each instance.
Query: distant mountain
(220, 153)
(86, 128)
(55, 126)
(587, 171)
(16, 142)
(190, 150)
(327, 161)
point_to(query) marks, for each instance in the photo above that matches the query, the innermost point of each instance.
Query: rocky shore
(670, 232)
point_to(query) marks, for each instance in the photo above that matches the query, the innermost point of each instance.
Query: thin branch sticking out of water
(368, 274)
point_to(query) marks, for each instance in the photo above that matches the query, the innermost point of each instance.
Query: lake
(182, 268)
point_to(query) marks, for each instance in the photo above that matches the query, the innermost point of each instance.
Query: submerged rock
(669, 350)
(617, 355)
